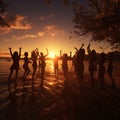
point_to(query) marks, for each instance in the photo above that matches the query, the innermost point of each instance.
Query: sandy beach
(56, 103)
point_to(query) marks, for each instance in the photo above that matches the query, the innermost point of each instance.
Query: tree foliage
(100, 18)
(3, 9)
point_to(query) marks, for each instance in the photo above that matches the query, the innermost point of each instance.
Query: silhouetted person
(65, 67)
(101, 70)
(15, 66)
(92, 63)
(65, 64)
(110, 68)
(79, 64)
(55, 62)
(34, 59)
(25, 65)
(42, 65)
(70, 54)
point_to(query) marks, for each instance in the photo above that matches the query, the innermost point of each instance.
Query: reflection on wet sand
(27, 99)
(53, 102)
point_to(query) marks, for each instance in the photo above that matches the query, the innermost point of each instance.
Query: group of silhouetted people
(15, 66)
(78, 63)
(94, 61)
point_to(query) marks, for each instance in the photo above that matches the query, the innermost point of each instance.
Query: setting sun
(51, 55)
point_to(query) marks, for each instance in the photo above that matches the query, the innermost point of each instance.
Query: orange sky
(37, 25)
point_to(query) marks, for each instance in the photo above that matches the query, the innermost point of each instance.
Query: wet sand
(56, 103)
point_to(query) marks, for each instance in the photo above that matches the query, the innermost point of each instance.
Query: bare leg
(113, 82)
(9, 80)
(42, 72)
(27, 73)
(24, 73)
(16, 79)
(33, 76)
(33, 73)
(92, 78)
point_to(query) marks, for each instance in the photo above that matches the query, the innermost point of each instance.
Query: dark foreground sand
(56, 103)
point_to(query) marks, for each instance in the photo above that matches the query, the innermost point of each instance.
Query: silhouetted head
(15, 53)
(33, 54)
(82, 52)
(102, 55)
(26, 54)
(111, 56)
(93, 52)
(65, 55)
(41, 53)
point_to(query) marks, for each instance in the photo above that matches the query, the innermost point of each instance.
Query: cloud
(18, 22)
(50, 15)
(46, 17)
(28, 36)
(24, 37)
(41, 34)
(49, 27)
(51, 30)
(41, 18)
(4, 30)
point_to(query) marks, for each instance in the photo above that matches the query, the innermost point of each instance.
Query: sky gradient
(35, 24)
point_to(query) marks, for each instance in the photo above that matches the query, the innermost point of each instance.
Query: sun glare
(51, 55)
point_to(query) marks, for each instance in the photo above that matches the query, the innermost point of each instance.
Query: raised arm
(10, 51)
(70, 54)
(37, 52)
(20, 51)
(76, 49)
(81, 46)
(88, 49)
(47, 53)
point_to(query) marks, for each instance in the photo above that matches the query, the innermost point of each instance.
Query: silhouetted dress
(92, 64)
(15, 65)
(55, 62)
(110, 68)
(79, 65)
(65, 64)
(34, 64)
(25, 65)
(101, 69)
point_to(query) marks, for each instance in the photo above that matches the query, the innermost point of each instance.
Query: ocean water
(5, 65)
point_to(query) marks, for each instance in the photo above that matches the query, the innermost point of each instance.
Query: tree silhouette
(100, 18)
(3, 9)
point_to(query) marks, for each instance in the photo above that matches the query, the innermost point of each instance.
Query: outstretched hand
(9, 48)
(89, 45)
(82, 44)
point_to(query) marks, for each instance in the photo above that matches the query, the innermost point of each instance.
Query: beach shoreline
(56, 103)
